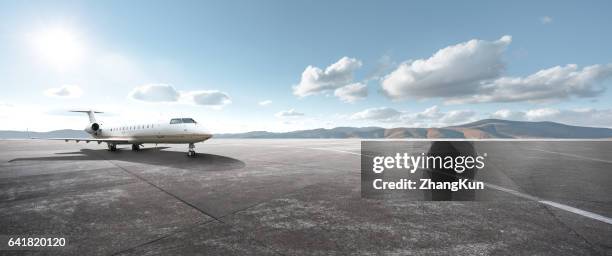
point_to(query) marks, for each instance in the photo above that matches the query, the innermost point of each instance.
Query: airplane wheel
(191, 152)
(112, 147)
(135, 147)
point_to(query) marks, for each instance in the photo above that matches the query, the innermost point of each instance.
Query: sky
(273, 65)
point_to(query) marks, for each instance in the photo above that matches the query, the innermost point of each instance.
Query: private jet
(176, 131)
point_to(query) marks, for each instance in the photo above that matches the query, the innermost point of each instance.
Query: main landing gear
(112, 147)
(191, 152)
(135, 147)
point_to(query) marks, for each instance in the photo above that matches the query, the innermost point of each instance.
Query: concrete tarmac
(293, 197)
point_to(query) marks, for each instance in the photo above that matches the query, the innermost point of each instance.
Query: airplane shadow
(153, 156)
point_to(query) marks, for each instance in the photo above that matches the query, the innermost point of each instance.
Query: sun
(59, 47)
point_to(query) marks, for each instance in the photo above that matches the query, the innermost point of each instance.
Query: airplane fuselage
(155, 133)
(177, 131)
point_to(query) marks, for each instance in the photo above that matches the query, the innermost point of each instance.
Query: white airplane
(176, 131)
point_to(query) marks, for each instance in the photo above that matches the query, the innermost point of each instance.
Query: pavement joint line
(168, 234)
(187, 203)
(592, 246)
(564, 207)
(170, 194)
(191, 205)
(516, 193)
(162, 190)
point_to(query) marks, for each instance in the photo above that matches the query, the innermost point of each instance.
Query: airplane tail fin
(90, 113)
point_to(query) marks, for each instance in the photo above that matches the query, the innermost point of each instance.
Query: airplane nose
(201, 131)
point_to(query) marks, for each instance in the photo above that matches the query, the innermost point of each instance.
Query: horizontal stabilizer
(90, 113)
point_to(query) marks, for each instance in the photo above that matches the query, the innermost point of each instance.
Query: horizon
(354, 127)
(241, 66)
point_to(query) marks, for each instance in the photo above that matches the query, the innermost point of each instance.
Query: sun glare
(58, 47)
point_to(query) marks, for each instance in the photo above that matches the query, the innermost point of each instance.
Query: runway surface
(294, 197)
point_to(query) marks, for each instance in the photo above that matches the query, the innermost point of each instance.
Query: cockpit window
(188, 121)
(182, 121)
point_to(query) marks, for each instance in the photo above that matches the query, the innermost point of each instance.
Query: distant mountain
(496, 128)
(43, 135)
(487, 128)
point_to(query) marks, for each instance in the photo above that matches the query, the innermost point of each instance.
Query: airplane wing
(87, 140)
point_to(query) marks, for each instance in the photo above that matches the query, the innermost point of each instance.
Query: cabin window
(175, 121)
(189, 121)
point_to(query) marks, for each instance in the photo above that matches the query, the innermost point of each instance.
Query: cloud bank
(378, 114)
(352, 92)
(430, 117)
(64, 91)
(211, 98)
(545, 85)
(265, 103)
(155, 93)
(546, 20)
(471, 72)
(315, 80)
(456, 70)
(579, 116)
(289, 113)
(167, 93)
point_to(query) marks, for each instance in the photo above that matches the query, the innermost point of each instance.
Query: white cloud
(289, 113)
(470, 72)
(434, 117)
(315, 80)
(65, 91)
(265, 103)
(578, 116)
(545, 85)
(507, 114)
(352, 92)
(546, 20)
(457, 117)
(381, 114)
(453, 71)
(211, 98)
(430, 117)
(168, 94)
(155, 93)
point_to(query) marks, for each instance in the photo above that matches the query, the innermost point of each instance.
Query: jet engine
(93, 128)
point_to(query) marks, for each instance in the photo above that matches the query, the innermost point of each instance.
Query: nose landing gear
(191, 152)
(135, 147)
